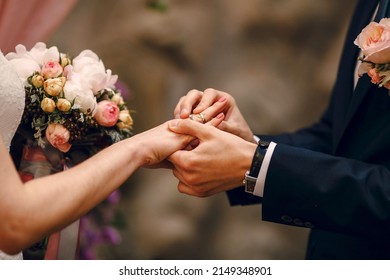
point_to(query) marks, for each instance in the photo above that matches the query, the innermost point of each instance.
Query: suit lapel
(360, 92)
(346, 94)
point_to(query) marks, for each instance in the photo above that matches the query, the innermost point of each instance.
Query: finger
(177, 173)
(217, 120)
(176, 111)
(218, 107)
(182, 186)
(189, 102)
(188, 127)
(193, 144)
(178, 159)
(193, 191)
(198, 118)
(209, 98)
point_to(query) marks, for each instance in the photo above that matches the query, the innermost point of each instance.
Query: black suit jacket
(334, 177)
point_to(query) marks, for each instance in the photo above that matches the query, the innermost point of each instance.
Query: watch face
(263, 144)
(250, 183)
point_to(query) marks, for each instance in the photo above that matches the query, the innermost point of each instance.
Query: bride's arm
(39, 207)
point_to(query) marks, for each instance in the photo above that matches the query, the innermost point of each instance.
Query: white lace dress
(11, 110)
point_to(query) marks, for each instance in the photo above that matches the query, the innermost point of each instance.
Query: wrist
(138, 155)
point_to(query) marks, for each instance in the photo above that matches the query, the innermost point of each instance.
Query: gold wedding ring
(202, 117)
(198, 118)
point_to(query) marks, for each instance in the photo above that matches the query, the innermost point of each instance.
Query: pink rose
(51, 69)
(374, 41)
(58, 136)
(107, 113)
(374, 75)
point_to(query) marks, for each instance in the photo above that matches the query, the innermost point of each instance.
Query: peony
(125, 120)
(107, 113)
(374, 41)
(51, 69)
(58, 136)
(48, 105)
(88, 64)
(76, 90)
(54, 86)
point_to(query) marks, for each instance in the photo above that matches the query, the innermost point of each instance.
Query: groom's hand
(210, 103)
(217, 164)
(162, 142)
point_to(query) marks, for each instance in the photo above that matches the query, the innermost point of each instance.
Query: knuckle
(209, 90)
(189, 179)
(181, 189)
(189, 164)
(193, 91)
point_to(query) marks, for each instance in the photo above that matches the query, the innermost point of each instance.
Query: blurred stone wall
(277, 58)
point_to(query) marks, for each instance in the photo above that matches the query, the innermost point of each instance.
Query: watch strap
(257, 161)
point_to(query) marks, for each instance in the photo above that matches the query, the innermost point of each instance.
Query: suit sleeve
(316, 137)
(312, 189)
(307, 186)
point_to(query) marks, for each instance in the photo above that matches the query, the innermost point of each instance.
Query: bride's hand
(210, 103)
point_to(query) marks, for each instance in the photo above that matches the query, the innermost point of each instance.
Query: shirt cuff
(260, 183)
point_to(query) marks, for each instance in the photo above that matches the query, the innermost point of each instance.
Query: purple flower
(111, 235)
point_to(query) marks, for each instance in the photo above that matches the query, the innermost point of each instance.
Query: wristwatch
(252, 174)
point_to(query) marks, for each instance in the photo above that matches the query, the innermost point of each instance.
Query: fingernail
(220, 116)
(222, 99)
(184, 113)
(173, 123)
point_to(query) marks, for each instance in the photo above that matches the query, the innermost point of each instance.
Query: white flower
(77, 89)
(42, 55)
(26, 62)
(88, 64)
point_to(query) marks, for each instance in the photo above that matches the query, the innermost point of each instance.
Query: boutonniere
(374, 42)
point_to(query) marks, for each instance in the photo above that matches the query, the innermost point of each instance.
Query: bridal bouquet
(68, 100)
(374, 42)
(72, 109)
